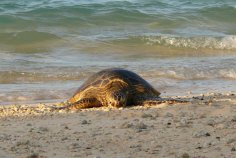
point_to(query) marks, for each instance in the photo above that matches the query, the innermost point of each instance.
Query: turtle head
(117, 99)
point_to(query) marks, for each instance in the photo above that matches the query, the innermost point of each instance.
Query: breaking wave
(222, 43)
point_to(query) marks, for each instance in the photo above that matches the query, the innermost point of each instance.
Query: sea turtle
(114, 87)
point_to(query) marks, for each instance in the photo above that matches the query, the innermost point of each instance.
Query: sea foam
(197, 42)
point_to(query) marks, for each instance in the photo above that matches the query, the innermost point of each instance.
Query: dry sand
(206, 127)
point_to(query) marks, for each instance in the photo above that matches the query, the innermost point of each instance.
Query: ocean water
(49, 47)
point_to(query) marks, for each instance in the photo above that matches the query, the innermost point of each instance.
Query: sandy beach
(184, 49)
(204, 127)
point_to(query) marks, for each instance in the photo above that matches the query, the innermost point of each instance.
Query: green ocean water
(49, 47)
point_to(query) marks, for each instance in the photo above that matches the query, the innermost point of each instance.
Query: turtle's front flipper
(173, 101)
(81, 104)
(158, 100)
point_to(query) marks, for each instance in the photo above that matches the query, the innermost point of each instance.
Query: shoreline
(204, 127)
(42, 108)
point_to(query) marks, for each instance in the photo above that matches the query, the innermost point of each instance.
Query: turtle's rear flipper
(81, 104)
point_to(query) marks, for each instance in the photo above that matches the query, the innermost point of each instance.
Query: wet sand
(204, 127)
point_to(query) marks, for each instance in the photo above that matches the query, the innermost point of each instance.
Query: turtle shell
(136, 84)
